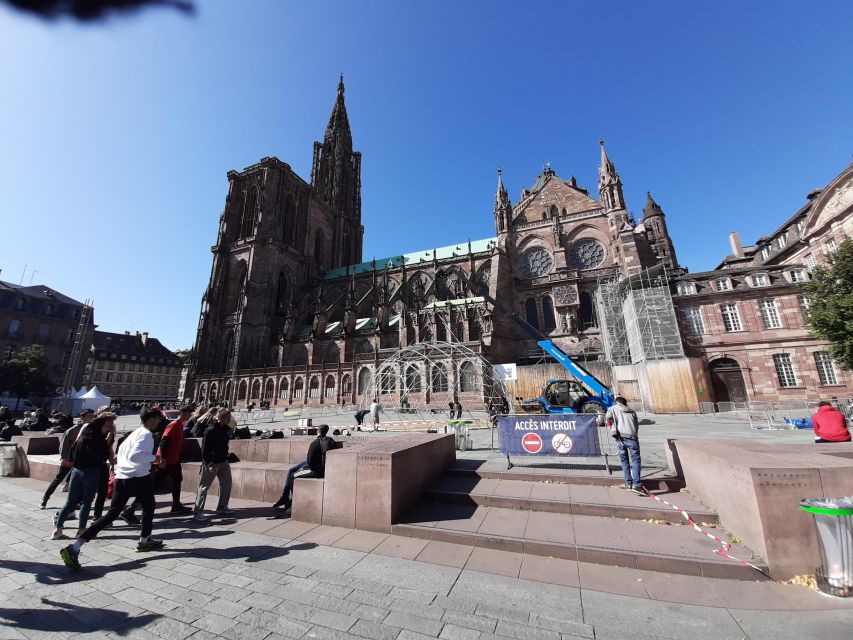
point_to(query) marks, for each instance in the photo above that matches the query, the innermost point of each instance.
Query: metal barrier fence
(766, 414)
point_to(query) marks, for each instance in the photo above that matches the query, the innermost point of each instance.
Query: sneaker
(638, 488)
(225, 511)
(278, 503)
(179, 508)
(70, 557)
(129, 518)
(43, 504)
(151, 544)
(56, 520)
(58, 535)
(201, 518)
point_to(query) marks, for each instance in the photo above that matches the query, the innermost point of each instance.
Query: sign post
(544, 435)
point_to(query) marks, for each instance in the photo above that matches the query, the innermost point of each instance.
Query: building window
(531, 313)
(731, 317)
(722, 284)
(693, 321)
(798, 275)
(765, 253)
(825, 369)
(548, 318)
(810, 261)
(14, 327)
(686, 288)
(784, 370)
(800, 225)
(770, 314)
(119, 377)
(831, 246)
(760, 280)
(50, 309)
(782, 241)
(805, 307)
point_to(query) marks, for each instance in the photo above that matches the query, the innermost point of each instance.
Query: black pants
(101, 496)
(60, 476)
(140, 488)
(173, 471)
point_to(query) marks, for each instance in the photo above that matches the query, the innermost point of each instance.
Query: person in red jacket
(829, 424)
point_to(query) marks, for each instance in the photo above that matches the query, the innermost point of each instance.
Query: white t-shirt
(135, 455)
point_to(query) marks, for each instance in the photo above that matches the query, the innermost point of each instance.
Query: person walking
(169, 466)
(91, 452)
(214, 464)
(66, 461)
(204, 422)
(624, 427)
(103, 481)
(829, 424)
(133, 479)
(374, 412)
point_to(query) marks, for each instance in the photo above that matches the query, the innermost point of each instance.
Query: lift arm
(595, 385)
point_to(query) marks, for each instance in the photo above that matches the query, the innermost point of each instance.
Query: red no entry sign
(531, 442)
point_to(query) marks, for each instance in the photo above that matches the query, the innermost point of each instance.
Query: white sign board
(505, 371)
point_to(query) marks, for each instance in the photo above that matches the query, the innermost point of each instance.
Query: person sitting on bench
(316, 463)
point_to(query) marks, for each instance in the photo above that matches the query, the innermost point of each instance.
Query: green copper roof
(413, 259)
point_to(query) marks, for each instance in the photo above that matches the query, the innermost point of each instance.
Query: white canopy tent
(91, 399)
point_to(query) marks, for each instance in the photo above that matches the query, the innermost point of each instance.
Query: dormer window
(686, 288)
(765, 253)
(722, 284)
(831, 246)
(800, 225)
(760, 280)
(782, 241)
(799, 275)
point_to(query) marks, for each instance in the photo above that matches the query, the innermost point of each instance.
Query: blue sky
(115, 138)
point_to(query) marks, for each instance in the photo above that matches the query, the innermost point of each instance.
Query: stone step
(676, 549)
(552, 497)
(574, 474)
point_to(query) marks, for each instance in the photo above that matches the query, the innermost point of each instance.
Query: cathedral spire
(503, 206)
(338, 122)
(652, 208)
(609, 183)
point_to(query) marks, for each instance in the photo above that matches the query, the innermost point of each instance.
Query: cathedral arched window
(531, 313)
(281, 294)
(228, 352)
(363, 382)
(440, 329)
(283, 389)
(586, 312)
(250, 209)
(548, 319)
(554, 212)
(413, 380)
(256, 390)
(241, 390)
(319, 247)
(346, 385)
(269, 389)
(439, 378)
(467, 377)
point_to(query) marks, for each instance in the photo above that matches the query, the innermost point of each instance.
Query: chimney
(734, 240)
(144, 337)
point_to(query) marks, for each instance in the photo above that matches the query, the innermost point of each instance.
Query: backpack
(243, 433)
(272, 435)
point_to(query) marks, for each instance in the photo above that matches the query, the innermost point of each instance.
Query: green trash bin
(834, 521)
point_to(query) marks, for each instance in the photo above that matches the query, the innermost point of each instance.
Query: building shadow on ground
(70, 619)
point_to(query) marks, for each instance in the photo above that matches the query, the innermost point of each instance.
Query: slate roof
(132, 345)
(40, 292)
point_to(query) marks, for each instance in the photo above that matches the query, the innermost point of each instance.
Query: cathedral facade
(292, 314)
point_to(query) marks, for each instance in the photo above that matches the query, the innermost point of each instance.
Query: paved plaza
(260, 577)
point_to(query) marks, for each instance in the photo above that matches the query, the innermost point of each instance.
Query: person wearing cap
(169, 453)
(214, 464)
(66, 455)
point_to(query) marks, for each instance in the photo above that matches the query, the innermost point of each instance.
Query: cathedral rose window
(536, 262)
(586, 254)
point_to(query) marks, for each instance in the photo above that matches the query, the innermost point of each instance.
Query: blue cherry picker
(583, 394)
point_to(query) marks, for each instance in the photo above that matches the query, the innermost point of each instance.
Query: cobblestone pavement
(226, 582)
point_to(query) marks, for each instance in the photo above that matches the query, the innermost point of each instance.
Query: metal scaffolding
(637, 317)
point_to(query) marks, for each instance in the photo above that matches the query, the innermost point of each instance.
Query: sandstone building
(292, 314)
(132, 367)
(39, 315)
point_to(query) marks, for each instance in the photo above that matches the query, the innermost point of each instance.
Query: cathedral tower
(336, 181)
(503, 208)
(654, 223)
(609, 183)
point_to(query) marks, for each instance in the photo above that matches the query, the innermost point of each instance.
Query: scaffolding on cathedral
(637, 317)
(417, 383)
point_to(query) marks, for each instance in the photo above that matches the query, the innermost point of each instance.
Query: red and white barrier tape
(725, 545)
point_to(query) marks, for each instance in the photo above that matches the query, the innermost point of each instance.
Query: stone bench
(40, 445)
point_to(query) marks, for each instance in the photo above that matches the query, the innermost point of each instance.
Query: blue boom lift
(584, 394)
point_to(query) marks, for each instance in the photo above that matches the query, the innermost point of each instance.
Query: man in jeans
(66, 462)
(133, 479)
(214, 464)
(623, 426)
(315, 461)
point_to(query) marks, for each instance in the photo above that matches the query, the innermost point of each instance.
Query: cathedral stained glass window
(536, 262)
(586, 254)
